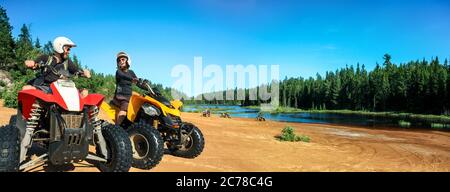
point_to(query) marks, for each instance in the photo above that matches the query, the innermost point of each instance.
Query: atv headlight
(150, 109)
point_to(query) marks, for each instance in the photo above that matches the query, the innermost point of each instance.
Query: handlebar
(43, 66)
(145, 85)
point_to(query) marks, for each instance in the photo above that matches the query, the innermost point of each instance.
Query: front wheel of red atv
(192, 145)
(12, 120)
(9, 148)
(147, 145)
(119, 149)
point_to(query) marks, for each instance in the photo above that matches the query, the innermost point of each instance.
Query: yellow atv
(152, 121)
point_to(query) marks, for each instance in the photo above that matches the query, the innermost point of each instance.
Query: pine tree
(75, 61)
(23, 49)
(447, 95)
(37, 44)
(387, 60)
(7, 46)
(48, 48)
(284, 92)
(334, 94)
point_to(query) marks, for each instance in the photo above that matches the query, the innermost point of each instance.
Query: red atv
(64, 124)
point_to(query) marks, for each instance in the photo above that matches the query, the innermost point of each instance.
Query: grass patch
(404, 116)
(440, 126)
(287, 134)
(278, 109)
(404, 124)
(252, 107)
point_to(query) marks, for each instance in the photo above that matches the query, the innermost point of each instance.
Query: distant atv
(225, 115)
(64, 124)
(206, 113)
(151, 121)
(260, 117)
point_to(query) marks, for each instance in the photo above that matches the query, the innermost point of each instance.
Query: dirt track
(247, 145)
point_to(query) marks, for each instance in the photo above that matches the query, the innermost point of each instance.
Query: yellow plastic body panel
(136, 101)
(176, 104)
(111, 111)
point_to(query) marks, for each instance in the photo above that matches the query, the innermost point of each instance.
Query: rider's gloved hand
(30, 64)
(87, 73)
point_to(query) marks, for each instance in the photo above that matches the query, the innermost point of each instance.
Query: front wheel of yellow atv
(191, 145)
(147, 145)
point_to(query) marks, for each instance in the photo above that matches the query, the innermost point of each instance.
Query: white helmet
(60, 42)
(123, 54)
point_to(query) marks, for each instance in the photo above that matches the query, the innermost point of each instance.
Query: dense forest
(14, 51)
(416, 87)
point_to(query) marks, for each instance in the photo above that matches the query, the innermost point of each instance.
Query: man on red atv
(59, 61)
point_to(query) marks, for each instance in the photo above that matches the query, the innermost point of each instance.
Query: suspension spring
(35, 116)
(94, 117)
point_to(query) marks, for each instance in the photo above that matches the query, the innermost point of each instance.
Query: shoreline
(377, 127)
(421, 121)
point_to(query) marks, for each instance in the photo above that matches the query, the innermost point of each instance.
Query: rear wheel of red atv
(147, 145)
(119, 150)
(192, 146)
(9, 148)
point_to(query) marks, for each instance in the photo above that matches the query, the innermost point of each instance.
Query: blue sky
(303, 37)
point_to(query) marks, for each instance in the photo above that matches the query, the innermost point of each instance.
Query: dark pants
(122, 102)
(39, 83)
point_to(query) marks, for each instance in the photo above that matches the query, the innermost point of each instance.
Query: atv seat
(114, 105)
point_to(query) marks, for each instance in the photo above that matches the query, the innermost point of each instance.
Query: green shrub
(304, 138)
(10, 96)
(287, 134)
(404, 124)
(2, 83)
(440, 126)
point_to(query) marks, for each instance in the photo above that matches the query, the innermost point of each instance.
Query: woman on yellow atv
(124, 80)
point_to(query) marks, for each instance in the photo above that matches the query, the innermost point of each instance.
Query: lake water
(304, 117)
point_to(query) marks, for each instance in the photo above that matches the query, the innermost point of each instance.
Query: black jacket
(124, 81)
(47, 77)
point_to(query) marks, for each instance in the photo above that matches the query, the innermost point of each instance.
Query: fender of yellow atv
(109, 110)
(166, 110)
(136, 101)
